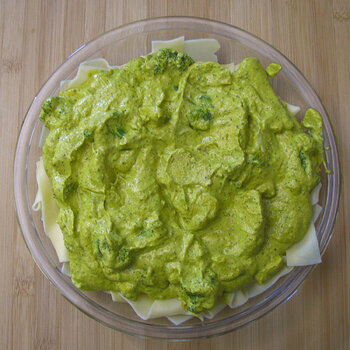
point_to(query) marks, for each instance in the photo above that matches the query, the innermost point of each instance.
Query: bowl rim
(22, 206)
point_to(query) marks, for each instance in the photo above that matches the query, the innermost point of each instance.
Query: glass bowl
(118, 47)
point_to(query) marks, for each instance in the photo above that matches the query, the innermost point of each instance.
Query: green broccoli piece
(165, 59)
(302, 157)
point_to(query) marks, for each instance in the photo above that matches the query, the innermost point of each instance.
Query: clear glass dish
(118, 47)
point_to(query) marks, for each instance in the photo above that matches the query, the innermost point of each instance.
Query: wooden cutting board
(36, 36)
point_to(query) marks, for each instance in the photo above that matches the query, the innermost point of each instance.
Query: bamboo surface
(36, 36)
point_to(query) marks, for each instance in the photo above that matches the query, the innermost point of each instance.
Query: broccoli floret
(69, 188)
(200, 116)
(165, 59)
(54, 110)
(302, 157)
(114, 124)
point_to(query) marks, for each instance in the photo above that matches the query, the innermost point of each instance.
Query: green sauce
(273, 69)
(179, 179)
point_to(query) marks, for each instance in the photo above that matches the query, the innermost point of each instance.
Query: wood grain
(35, 37)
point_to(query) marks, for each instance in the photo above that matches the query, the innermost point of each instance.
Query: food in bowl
(179, 180)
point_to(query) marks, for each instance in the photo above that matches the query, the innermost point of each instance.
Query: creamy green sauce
(179, 179)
